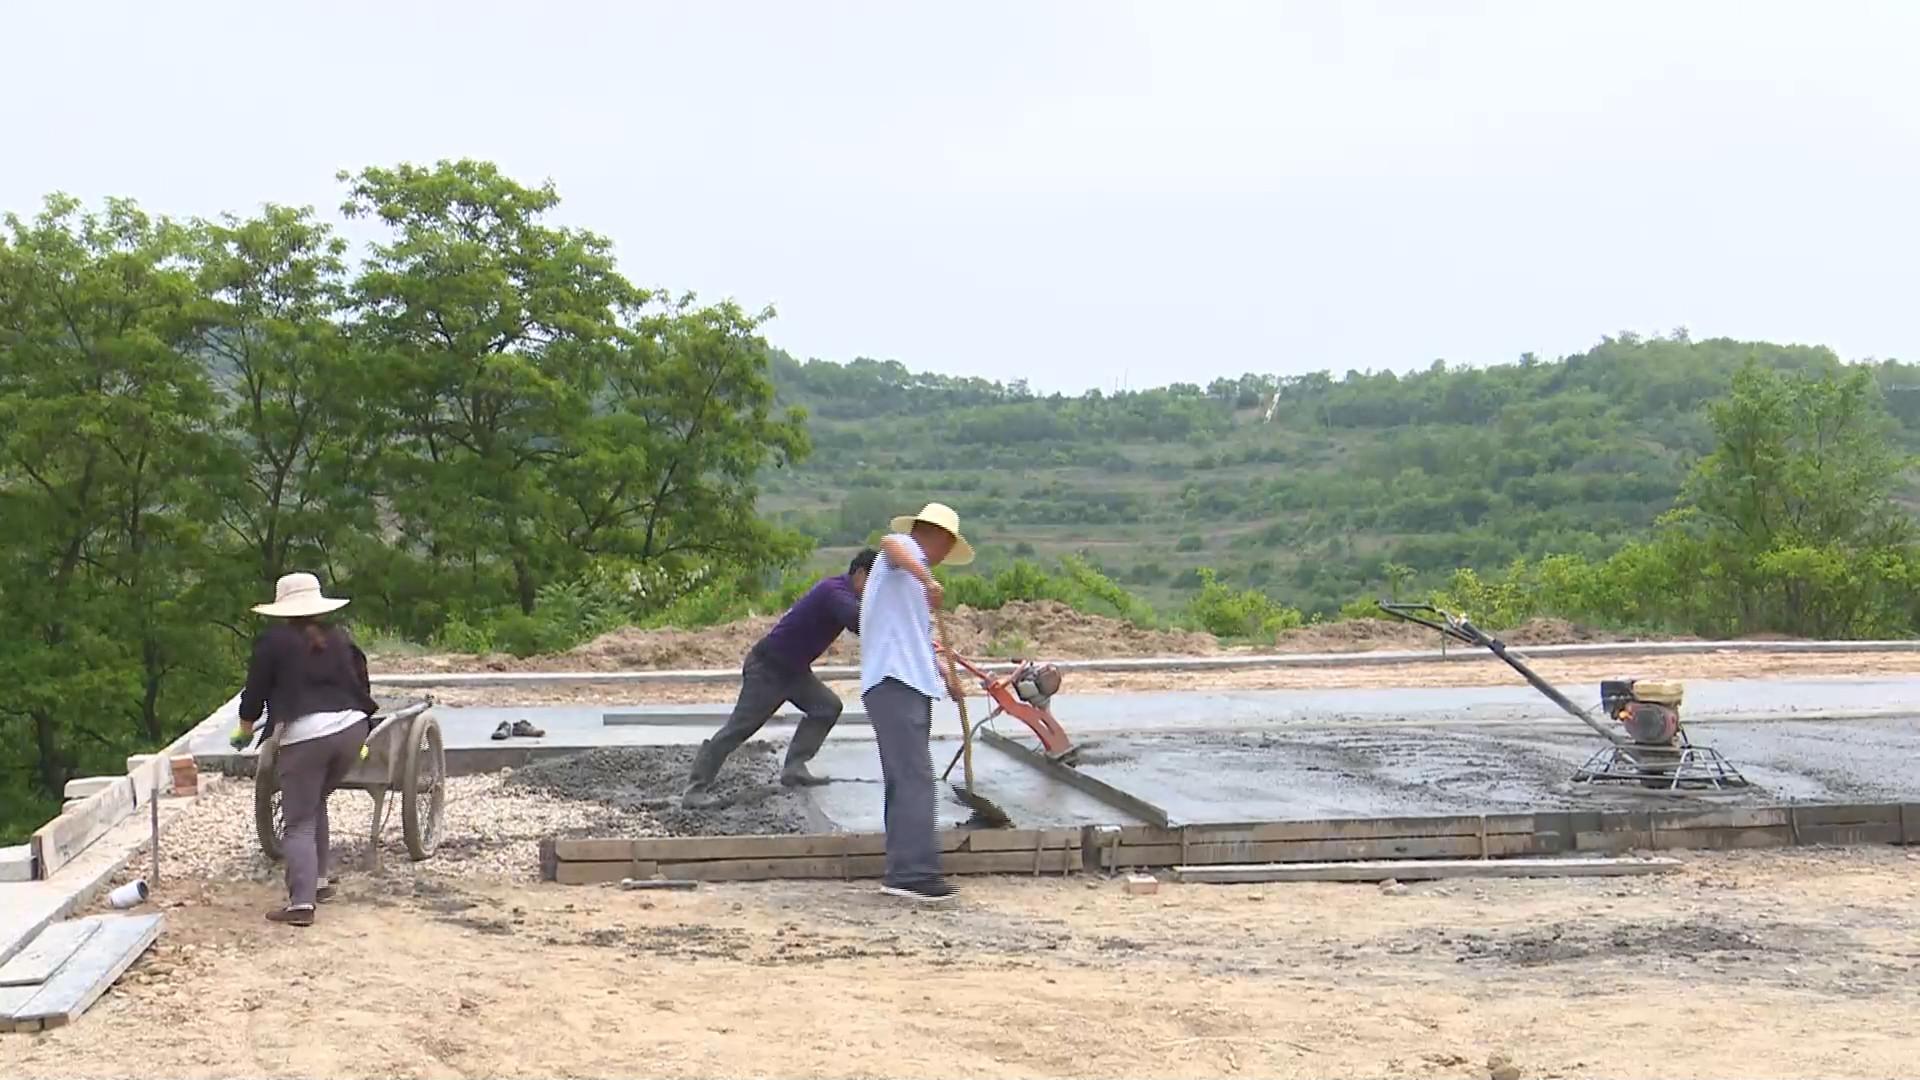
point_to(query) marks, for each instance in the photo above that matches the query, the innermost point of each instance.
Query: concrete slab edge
(1186, 663)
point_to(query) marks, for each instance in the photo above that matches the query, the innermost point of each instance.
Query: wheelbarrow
(405, 751)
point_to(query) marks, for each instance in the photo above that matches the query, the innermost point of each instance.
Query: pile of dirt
(1050, 630)
(1376, 635)
(1044, 629)
(1356, 635)
(650, 779)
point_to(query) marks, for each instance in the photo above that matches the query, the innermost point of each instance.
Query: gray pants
(765, 685)
(308, 772)
(902, 720)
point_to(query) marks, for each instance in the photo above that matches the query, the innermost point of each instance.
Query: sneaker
(930, 891)
(292, 916)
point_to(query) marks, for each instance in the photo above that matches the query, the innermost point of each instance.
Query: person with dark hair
(310, 679)
(779, 669)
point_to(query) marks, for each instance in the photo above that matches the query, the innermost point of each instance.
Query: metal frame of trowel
(1678, 766)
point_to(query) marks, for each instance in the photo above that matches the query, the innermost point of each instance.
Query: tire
(268, 821)
(423, 787)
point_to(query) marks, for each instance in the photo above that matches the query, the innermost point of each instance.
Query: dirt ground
(1478, 672)
(1756, 964)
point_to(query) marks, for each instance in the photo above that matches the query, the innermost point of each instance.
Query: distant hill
(1307, 487)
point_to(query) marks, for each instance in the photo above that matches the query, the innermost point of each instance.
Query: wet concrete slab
(1277, 755)
(1361, 770)
(854, 802)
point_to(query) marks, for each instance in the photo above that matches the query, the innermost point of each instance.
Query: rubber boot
(706, 768)
(807, 740)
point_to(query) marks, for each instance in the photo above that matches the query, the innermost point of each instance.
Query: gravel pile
(489, 829)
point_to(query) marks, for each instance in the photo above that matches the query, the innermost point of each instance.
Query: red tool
(1024, 694)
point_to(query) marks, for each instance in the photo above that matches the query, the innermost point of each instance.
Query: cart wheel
(423, 790)
(268, 821)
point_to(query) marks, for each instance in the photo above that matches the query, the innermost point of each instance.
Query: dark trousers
(766, 683)
(308, 772)
(902, 719)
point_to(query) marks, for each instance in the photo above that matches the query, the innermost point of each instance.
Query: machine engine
(1648, 709)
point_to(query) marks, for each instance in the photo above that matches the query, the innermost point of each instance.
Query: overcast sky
(1082, 194)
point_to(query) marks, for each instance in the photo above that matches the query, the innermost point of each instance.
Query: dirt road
(1478, 672)
(1747, 965)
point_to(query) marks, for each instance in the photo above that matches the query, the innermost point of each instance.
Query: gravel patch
(488, 830)
(649, 780)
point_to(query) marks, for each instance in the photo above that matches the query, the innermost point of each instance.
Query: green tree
(273, 334)
(486, 330)
(106, 449)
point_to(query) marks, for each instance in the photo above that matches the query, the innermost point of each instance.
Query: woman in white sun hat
(311, 681)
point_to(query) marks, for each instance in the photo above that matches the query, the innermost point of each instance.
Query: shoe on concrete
(503, 732)
(292, 916)
(699, 797)
(931, 891)
(797, 775)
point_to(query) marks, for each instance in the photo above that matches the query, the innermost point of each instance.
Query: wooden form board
(1423, 870)
(105, 954)
(57, 842)
(48, 950)
(823, 855)
(16, 863)
(1116, 848)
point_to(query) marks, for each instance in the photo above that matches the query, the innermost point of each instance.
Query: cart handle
(381, 723)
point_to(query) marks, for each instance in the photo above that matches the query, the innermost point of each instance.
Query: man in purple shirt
(779, 669)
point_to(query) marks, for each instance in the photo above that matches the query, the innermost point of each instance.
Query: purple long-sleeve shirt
(809, 628)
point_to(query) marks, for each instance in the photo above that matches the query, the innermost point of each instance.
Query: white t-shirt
(896, 628)
(319, 725)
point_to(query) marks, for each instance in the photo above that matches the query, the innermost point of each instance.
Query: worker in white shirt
(899, 682)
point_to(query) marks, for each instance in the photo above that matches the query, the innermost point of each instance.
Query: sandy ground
(1748, 964)
(1487, 672)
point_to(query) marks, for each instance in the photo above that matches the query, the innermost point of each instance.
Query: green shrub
(1226, 612)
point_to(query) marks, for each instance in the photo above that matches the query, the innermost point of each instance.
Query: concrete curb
(1119, 665)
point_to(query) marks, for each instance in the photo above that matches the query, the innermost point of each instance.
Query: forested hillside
(1315, 489)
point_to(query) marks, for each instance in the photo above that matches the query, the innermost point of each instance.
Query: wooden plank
(83, 787)
(1022, 839)
(1852, 814)
(16, 863)
(1121, 800)
(43, 956)
(57, 842)
(11, 998)
(82, 979)
(599, 873)
(1848, 835)
(1682, 839)
(1424, 870)
(1432, 847)
(870, 866)
(1362, 828)
(797, 845)
(593, 850)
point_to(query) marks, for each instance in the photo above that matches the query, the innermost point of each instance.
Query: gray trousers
(902, 720)
(308, 772)
(765, 685)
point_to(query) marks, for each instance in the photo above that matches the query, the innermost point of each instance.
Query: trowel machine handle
(1457, 627)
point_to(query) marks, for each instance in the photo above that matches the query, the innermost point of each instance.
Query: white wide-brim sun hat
(940, 516)
(298, 596)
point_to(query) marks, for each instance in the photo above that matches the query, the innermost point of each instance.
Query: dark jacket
(288, 679)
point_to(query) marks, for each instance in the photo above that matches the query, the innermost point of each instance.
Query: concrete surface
(1281, 754)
